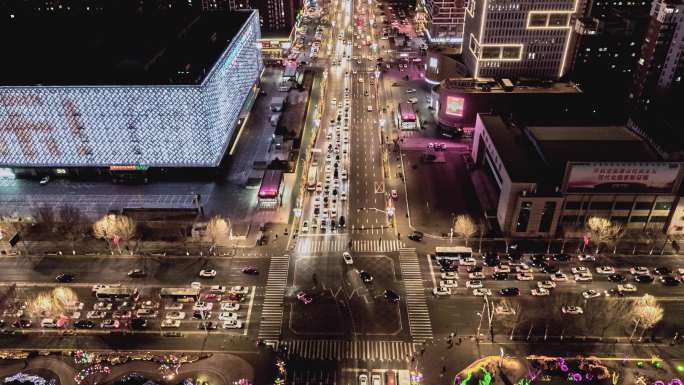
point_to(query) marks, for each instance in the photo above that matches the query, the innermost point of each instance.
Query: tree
(607, 312)
(602, 231)
(115, 228)
(647, 313)
(464, 227)
(512, 318)
(218, 231)
(45, 215)
(71, 224)
(64, 297)
(44, 305)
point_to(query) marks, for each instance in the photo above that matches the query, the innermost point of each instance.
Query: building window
(523, 217)
(538, 20)
(601, 205)
(643, 206)
(623, 205)
(638, 219)
(547, 217)
(663, 206)
(490, 53)
(572, 205)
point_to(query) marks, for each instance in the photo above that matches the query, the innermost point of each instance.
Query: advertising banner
(622, 177)
(454, 106)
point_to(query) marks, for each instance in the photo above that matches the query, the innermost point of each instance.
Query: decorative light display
(83, 358)
(90, 371)
(35, 380)
(282, 373)
(169, 367)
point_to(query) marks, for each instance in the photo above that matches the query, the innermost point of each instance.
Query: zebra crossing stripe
(416, 305)
(270, 326)
(356, 350)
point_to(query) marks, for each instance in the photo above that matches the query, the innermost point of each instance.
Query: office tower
(528, 38)
(444, 21)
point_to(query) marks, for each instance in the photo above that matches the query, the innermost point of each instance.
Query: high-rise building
(444, 21)
(527, 38)
(277, 16)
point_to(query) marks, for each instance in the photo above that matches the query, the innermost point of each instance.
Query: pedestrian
(276, 236)
(459, 340)
(451, 335)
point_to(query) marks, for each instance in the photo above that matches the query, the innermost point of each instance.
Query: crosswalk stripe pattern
(416, 305)
(377, 246)
(310, 245)
(350, 350)
(272, 309)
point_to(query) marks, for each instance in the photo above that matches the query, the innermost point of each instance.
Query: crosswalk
(416, 305)
(340, 244)
(350, 350)
(377, 246)
(270, 326)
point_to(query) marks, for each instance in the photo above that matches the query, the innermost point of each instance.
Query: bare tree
(465, 227)
(602, 231)
(71, 224)
(44, 305)
(513, 318)
(218, 230)
(114, 229)
(45, 216)
(64, 297)
(647, 313)
(605, 313)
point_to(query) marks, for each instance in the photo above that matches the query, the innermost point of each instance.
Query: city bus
(453, 252)
(311, 178)
(407, 117)
(117, 293)
(180, 294)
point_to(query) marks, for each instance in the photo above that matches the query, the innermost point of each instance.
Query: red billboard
(454, 106)
(614, 177)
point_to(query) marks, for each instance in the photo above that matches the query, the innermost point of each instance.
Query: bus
(180, 294)
(407, 117)
(453, 252)
(109, 293)
(311, 178)
(403, 377)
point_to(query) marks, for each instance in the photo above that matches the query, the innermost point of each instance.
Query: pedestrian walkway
(350, 350)
(416, 305)
(313, 245)
(376, 246)
(270, 325)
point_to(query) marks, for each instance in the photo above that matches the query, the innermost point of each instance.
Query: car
(394, 194)
(201, 314)
(206, 325)
(22, 323)
(574, 310)
(391, 296)
(304, 297)
(449, 275)
(546, 285)
(476, 275)
(196, 285)
(509, 291)
(346, 256)
(590, 294)
(614, 292)
(550, 268)
(236, 297)
(65, 277)
(643, 278)
(146, 313)
(410, 90)
(662, 270)
(375, 379)
(439, 291)
(230, 306)
(637, 270)
(628, 287)
(363, 379)
(239, 290)
(217, 289)
(583, 277)
(232, 324)
(207, 273)
(365, 276)
(502, 269)
(103, 306)
(84, 324)
(492, 260)
(416, 236)
(559, 277)
(481, 292)
(48, 323)
(524, 276)
(137, 273)
(412, 100)
(170, 323)
(540, 292)
(227, 315)
(95, 314)
(522, 268)
(138, 323)
(251, 270)
(467, 261)
(669, 280)
(561, 257)
(121, 314)
(605, 270)
(175, 314)
(500, 276)
(450, 283)
(202, 306)
(45, 180)
(148, 304)
(474, 284)
(586, 258)
(474, 269)
(617, 278)
(579, 270)
(110, 324)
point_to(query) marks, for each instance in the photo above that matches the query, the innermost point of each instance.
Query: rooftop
(166, 47)
(508, 140)
(470, 85)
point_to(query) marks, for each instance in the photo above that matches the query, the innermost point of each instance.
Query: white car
(226, 316)
(217, 289)
(370, 108)
(239, 290)
(230, 306)
(202, 306)
(476, 275)
(579, 270)
(174, 306)
(481, 292)
(175, 315)
(559, 277)
(95, 314)
(375, 379)
(441, 291)
(363, 379)
(467, 262)
(232, 324)
(628, 287)
(347, 258)
(394, 194)
(605, 270)
(48, 323)
(474, 284)
(540, 292)
(586, 258)
(590, 294)
(449, 283)
(546, 285)
(102, 306)
(502, 269)
(575, 310)
(195, 285)
(170, 323)
(523, 268)
(583, 277)
(449, 275)
(524, 276)
(146, 313)
(639, 270)
(207, 273)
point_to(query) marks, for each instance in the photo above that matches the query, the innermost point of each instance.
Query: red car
(304, 297)
(211, 297)
(251, 270)
(235, 297)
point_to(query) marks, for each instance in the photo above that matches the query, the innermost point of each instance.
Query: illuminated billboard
(611, 177)
(454, 106)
